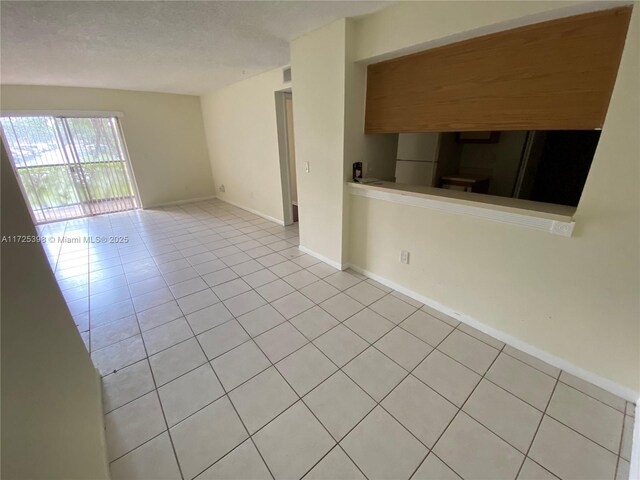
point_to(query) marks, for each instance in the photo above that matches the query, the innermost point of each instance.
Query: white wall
(51, 410)
(408, 27)
(376, 152)
(575, 298)
(328, 102)
(164, 134)
(318, 69)
(242, 137)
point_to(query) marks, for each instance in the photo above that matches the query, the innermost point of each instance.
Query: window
(70, 167)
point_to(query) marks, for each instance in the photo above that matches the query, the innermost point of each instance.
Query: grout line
(526, 455)
(535, 368)
(300, 398)
(582, 434)
(202, 226)
(590, 396)
(230, 401)
(239, 385)
(90, 335)
(209, 360)
(164, 416)
(462, 406)
(376, 402)
(340, 368)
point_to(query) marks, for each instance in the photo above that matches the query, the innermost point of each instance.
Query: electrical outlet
(221, 188)
(306, 167)
(404, 257)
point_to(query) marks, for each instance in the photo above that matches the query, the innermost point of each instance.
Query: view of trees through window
(69, 167)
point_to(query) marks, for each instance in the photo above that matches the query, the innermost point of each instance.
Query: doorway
(286, 144)
(291, 150)
(69, 167)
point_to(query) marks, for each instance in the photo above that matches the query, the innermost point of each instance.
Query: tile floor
(228, 353)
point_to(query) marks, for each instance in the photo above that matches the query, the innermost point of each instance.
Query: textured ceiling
(178, 47)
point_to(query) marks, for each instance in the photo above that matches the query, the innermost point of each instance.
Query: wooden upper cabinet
(555, 75)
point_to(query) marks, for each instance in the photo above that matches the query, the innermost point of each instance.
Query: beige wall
(164, 134)
(574, 298)
(328, 101)
(408, 26)
(51, 411)
(318, 69)
(242, 136)
(376, 152)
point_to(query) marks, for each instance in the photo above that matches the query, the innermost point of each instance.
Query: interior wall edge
(158, 128)
(333, 263)
(283, 155)
(554, 224)
(241, 136)
(101, 417)
(52, 417)
(551, 14)
(634, 469)
(255, 212)
(602, 382)
(318, 62)
(179, 202)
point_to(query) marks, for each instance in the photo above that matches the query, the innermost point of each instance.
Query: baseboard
(634, 469)
(180, 202)
(326, 260)
(103, 430)
(608, 385)
(256, 212)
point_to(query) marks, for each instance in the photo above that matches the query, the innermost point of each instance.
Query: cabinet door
(555, 75)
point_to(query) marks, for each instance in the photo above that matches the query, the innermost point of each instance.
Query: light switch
(306, 167)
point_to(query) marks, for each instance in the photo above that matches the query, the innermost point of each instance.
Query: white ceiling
(188, 47)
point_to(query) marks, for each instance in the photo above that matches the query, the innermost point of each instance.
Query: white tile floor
(228, 353)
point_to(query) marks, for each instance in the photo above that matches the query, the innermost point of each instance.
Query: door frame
(284, 153)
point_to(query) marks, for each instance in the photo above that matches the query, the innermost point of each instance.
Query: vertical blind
(70, 167)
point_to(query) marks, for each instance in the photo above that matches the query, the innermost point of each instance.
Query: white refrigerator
(417, 158)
